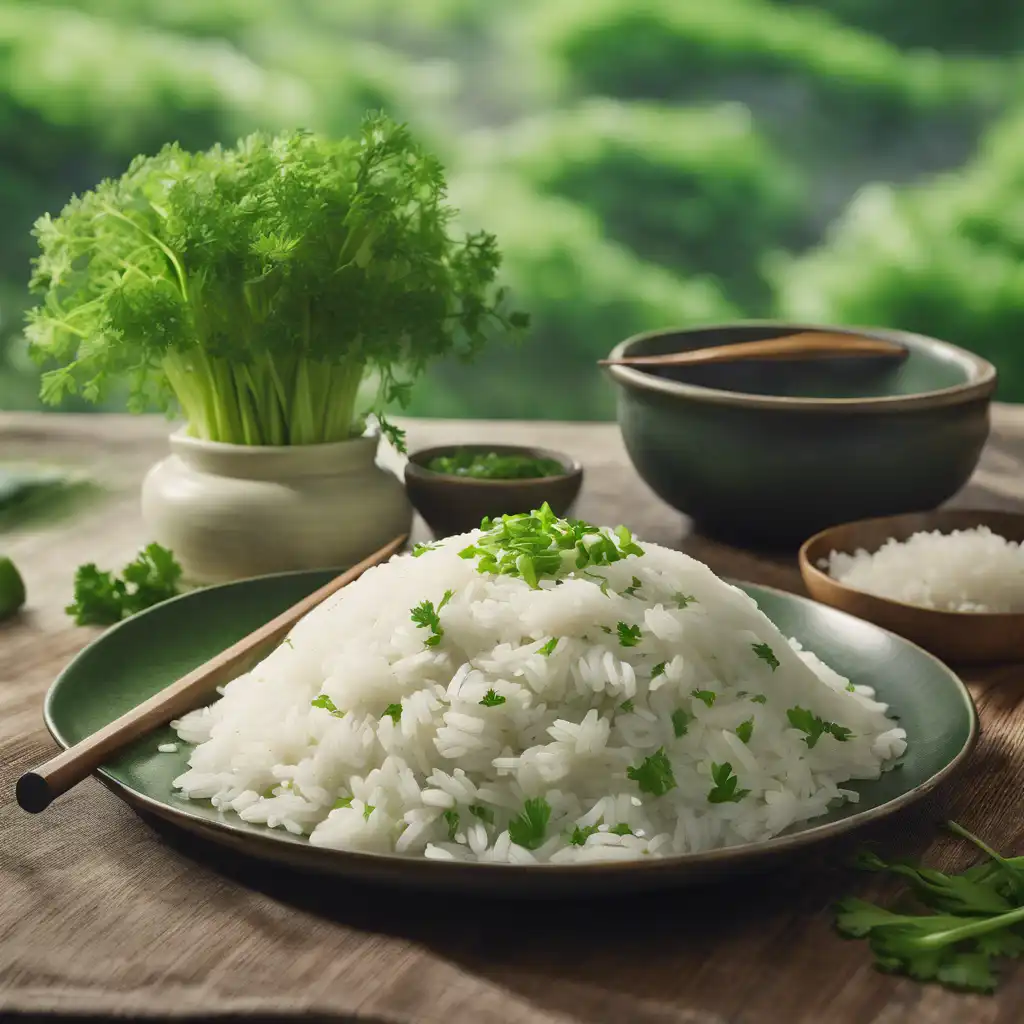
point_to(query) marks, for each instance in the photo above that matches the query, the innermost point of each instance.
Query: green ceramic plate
(135, 659)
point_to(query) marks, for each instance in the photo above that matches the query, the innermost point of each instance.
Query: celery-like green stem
(268, 401)
(971, 929)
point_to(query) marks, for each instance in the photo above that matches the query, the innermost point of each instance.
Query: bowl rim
(982, 382)
(573, 467)
(937, 616)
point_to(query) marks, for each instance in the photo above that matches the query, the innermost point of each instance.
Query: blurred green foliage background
(645, 164)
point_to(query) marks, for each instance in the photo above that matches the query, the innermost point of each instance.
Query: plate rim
(279, 845)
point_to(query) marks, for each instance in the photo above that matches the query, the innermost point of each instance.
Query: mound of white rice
(963, 571)
(640, 707)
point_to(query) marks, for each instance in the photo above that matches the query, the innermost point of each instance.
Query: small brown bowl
(962, 637)
(456, 504)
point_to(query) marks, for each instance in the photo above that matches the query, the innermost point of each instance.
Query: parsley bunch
(976, 917)
(259, 284)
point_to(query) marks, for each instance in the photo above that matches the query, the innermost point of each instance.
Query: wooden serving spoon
(805, 345)
(36, 790)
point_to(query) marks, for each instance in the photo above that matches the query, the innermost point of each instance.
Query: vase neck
(255, 462)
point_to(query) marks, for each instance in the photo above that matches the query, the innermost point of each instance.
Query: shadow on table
(550, 951)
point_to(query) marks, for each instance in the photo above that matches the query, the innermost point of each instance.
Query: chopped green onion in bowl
(495, 466)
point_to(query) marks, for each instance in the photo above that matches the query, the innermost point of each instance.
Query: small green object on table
(12, 588)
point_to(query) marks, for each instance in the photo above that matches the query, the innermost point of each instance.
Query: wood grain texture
(104, 914)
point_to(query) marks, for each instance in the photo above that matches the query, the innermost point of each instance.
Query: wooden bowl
(456, 504)
(961, 637)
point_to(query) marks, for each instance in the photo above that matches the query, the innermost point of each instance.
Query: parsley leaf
(342, 801)
(452, 817)
(724, 790)
(629, 636)
(745, 730)
(367, 811)
(580, 834)
(815, 727)
(101, 598)
(325, 702)
(622, 829)
(549, 647)
(527, 829)
(422, 549)
(707, 696)
(492, 699)
(448, 595)
(658, 670)
(766, 654)
(759, 698)
(654, 774)
(626, 705)
(395, 711)
(633, 587)
(426, 617)
(485, 814)
(683, 600)
(681, 721)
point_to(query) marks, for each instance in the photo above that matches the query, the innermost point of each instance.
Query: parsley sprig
(974, 918)
(766, 654)
(629, 636)
(654, 774)
(816, 727)
(528, 828)
(101, 598)
(427, 617)
(725, 786)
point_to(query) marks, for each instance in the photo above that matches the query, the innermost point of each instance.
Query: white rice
(445, 779)
(168, 748)
(963, 571)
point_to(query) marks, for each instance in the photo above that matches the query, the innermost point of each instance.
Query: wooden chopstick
(805, 345)
(37, 789)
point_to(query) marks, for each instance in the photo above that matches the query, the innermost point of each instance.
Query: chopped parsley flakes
(629, 636)
(539, 544)
(815, 727)
(452, 817)
(724, 790)
(681, 721)
(549, 647)
(527, 829)
(766, 654)
(654, 774)
(325, 702)
(492, 699)
(485, 814)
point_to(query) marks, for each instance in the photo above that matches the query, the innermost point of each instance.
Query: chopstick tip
(33, 793)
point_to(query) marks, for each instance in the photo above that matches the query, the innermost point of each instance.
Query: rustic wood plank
(754, 950)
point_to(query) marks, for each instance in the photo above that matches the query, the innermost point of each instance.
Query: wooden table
(749, 951)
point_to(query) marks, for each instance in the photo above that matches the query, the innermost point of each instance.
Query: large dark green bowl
(769, 452)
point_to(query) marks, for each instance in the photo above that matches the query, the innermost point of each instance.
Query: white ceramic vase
(229, 511)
